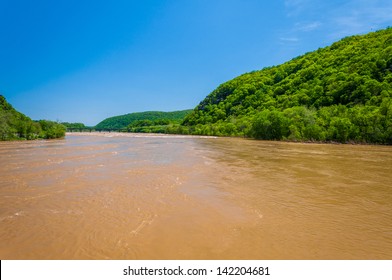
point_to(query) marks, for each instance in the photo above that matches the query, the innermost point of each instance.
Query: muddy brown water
(114, 196)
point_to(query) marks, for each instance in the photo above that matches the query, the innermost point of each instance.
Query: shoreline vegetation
(17, 126)
(338, 94)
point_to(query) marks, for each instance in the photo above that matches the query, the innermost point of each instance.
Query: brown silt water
(131, 196)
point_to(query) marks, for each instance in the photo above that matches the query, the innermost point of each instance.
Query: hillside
(15, 125)
(123, 121)
(339, 93)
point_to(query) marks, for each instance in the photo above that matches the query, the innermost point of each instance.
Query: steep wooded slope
(339, 93)
(15, 125)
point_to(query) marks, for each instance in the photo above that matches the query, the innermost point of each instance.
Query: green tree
(270, 125)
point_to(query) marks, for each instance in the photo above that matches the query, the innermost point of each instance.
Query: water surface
(113, 196)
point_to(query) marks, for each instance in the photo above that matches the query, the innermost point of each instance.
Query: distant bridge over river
(93, 129)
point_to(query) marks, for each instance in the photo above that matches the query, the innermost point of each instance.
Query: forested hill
(124, 121)
(15, 125)
(339, 93)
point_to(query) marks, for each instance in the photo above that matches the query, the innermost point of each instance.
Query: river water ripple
(115, 196)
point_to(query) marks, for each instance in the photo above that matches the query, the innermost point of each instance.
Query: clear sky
(84, 61)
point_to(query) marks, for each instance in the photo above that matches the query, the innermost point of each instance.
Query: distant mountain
(123, 121)
(15, 125)
(339, 93)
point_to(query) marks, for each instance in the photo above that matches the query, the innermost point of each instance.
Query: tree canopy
(15, 125)
(129, 121)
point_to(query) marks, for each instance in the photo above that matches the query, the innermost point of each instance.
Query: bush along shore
(16, 126)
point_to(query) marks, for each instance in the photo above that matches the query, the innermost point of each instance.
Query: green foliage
(51, 130)
(127, 122)
(77, 127)
(270, 125)
(74, 125)
(15, 125)
(151, 126)
(340, 93)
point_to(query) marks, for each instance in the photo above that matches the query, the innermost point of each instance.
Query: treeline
(339, 93)
(137, 121)
(78, 125)
(16, 126)
(149, 126)
(336, 123)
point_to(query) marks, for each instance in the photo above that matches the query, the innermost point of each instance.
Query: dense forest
(341, 93)
(151, 121)
(16, 126)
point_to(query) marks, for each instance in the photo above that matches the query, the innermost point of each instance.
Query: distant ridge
(123, 121)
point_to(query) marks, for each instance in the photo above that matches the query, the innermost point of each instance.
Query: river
(131, 196)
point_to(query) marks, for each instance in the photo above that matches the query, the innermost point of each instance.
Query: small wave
(9, 217)
(142, 225)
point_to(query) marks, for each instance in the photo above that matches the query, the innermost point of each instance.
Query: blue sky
(84, 61)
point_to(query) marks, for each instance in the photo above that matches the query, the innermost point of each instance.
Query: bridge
(93, 129)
